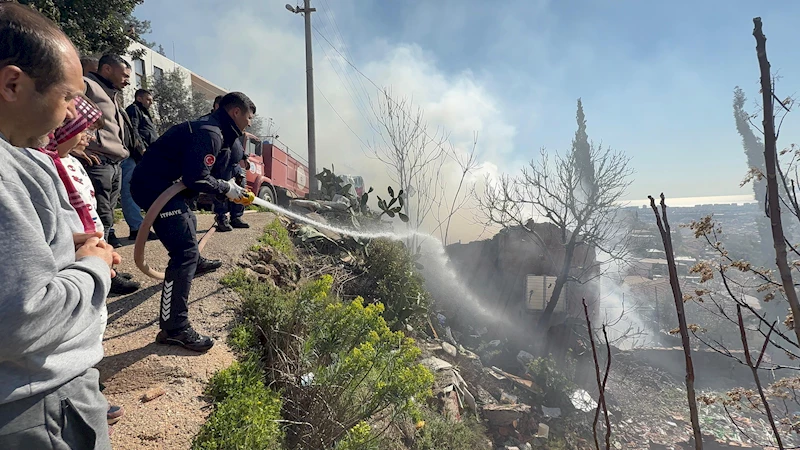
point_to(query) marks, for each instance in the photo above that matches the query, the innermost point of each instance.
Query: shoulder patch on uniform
(209, 160)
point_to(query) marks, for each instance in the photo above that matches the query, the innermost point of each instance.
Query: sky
(656, 78)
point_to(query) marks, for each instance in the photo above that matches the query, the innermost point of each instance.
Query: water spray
(438, 256)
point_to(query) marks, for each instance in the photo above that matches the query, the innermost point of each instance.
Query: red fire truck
(274, 175)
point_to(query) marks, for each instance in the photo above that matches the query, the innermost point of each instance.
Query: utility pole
(312, 135)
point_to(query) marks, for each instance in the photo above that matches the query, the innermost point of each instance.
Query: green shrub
(361, 368)
(374, 368)
(246, 413)
(358, 438)
(237, 279)
(276, 236)
(243, 338)
(440, 433)
(393, 280)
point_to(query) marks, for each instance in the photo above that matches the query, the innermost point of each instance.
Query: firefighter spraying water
(175, 169)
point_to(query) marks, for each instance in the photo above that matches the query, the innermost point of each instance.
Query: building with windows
(152, 65)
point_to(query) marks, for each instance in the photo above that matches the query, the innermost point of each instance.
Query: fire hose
(150, 217)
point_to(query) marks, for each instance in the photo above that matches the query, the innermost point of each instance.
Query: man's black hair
(217, 99)
(33, 43)
(237, 100)
(140, 92)
(113, 61)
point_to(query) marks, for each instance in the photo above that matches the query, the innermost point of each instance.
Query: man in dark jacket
(145, 131)
(188, 151)
(231, 169)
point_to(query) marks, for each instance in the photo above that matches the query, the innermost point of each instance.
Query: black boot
(237, 222)
(113, 240)
(207, 265)
(187, 338)
(223, 225)
(121, 286)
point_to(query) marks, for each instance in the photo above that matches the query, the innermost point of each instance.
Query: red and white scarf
(85, 116)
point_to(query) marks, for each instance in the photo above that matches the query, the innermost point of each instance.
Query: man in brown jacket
(104, 155)
(108, 150)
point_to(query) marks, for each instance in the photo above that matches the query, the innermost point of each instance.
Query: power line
(382, 90)
(341, 118)
(356, 100)
(350, 80)
(337, 33)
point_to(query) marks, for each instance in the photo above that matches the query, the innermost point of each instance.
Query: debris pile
(465, 389)
(485, 379)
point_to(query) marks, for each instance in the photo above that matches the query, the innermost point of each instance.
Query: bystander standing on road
(53, 295)
(108, 150)
(143, 127)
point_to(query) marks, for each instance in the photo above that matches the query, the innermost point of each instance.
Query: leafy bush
(239, 376)
(361, 369)
(358, 438)
(371, 369)
(393, 280)
(440, 433)
(276, 236)
(242, 338)
(246, 412)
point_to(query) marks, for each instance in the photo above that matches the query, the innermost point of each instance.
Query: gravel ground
(134, 363)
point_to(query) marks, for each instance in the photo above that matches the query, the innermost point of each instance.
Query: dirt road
(134, 363)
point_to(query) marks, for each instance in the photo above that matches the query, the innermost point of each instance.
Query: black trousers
(221, 204)
(176, 227)
(224, 206)
(107, 182)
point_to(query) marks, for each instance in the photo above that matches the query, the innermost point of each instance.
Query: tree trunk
(770, 159)
(561, 281)
(666, 237)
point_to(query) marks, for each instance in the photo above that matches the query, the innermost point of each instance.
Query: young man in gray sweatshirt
(54, 281)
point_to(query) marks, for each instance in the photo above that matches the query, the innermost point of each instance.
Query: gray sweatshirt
(52, 308)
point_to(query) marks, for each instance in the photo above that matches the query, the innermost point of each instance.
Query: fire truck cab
(273, 174)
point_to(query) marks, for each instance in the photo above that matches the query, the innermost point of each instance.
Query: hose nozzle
(247, 199)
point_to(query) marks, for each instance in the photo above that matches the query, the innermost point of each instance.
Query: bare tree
(770, 159)
(413, 156)
(446, 206)
(663, 228)
(583, 207)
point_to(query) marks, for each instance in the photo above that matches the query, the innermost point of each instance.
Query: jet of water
(439, 276)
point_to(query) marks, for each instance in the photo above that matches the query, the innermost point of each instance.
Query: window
(138, 67)
(158, 72)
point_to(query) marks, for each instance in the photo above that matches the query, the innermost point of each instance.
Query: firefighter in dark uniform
(233, 169)
(189, 152)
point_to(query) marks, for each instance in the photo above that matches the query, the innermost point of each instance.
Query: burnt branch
(756, 378)
(770, 159)
(601, 384)
(663, 227)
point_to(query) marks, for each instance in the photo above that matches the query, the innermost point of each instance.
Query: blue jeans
(130, 210)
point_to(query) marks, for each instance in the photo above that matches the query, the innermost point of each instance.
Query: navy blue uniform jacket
(190, 151)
